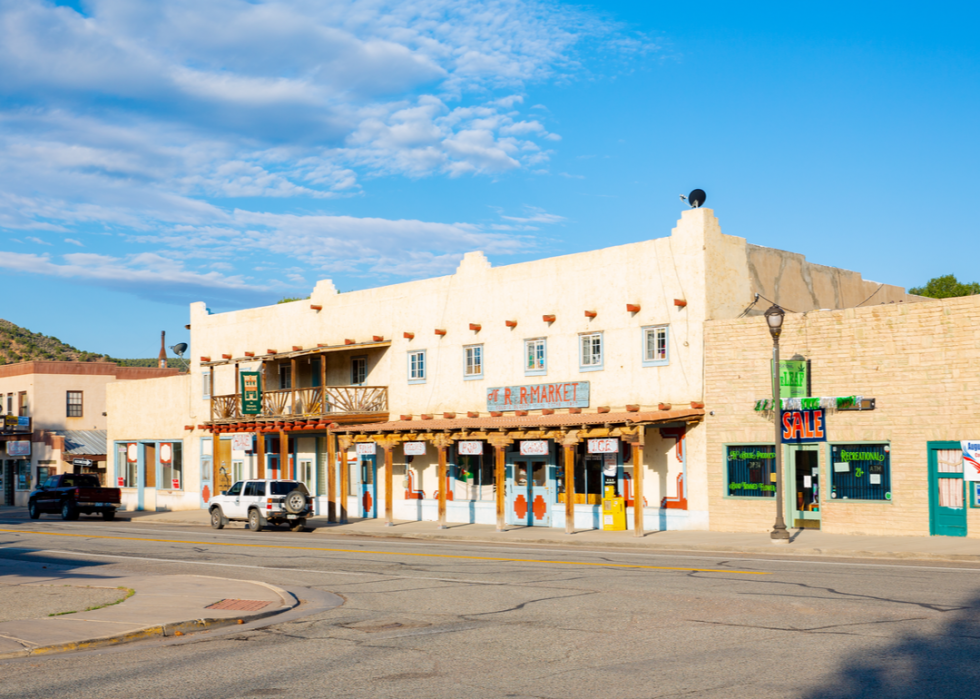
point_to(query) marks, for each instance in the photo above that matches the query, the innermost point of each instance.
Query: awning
(83, 443)
(319, 349)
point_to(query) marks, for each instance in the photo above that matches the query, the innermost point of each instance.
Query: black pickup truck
(72, 494)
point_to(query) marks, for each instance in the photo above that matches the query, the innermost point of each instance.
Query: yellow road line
(392, 553)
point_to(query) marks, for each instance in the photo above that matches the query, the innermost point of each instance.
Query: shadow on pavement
(33, 561)
(940, 666)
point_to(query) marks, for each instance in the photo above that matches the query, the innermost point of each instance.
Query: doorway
(947, 504)
(530, 488)
(804, 475)
(365, 486)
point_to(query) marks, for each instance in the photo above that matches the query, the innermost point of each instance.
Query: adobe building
(511, 394)
(874, 442)
(54, 415)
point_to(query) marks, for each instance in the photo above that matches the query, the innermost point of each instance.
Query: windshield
(286, 487)
(77, 481)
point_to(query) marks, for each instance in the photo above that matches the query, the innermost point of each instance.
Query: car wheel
(68, 511)
(254, 521)
(217, 519)
(298, 526)
(32, 510)
(296, 502)
(108, 515)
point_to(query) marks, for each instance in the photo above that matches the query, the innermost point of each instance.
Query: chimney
(163, 350)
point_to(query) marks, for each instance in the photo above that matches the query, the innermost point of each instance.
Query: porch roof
(529, 421)
(319, 349)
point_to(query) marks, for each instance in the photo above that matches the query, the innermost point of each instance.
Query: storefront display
(751, 470)
(860, 472)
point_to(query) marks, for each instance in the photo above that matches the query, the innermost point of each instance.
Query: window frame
(353, 364)
(206, 387)
(285, 377)
(69, 405)
(727, 475)
(475, 349)
(543, 341)
(424, 364)
(831, 486)
(647, 330)
(582, 366)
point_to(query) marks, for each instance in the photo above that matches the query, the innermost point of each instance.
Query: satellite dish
(696, 198)
(179, 349)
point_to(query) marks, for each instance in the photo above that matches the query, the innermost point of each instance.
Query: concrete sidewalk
(808, 542)
(159, 606)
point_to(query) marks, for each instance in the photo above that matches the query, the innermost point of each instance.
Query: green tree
(946, 287)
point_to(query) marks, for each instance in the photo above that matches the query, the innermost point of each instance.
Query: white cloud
(72, 241)
(37, 240)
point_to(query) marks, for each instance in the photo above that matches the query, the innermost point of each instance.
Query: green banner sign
(251, 393)
(793, 378)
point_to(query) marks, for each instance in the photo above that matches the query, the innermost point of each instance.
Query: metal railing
(306, 402)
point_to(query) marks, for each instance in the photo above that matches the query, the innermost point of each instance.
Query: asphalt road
(440, 619)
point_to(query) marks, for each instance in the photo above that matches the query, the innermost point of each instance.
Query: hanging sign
(539, 396)
(792, 378)
(534, 447)
(241, 442)
(804, 426)
(469, 448)
(603, 446)
(251, 392)
(414, 448)
(971, 460)
(19, 448)
(365, 448)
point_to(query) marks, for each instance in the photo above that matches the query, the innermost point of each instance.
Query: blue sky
(155, 154)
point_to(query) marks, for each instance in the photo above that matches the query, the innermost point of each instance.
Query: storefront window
(476, 472)
(172, 471)
(860, 472)
(751, 470)
(23, 469)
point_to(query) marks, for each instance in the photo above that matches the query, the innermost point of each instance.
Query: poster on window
(241, 442)
(469, 448)
(971, 460)
(21, 447)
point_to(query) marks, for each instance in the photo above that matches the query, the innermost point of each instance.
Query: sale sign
(804, 426)
(971, 460)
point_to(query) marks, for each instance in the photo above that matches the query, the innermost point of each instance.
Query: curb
(162, 630)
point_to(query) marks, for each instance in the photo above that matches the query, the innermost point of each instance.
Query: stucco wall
(919, 361)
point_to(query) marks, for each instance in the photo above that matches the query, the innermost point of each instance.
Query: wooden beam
(500, 442)
(569, 487)
(388, 446)
(283, 455)
(293, 376)
(323, 384)
(215, 454)
(260, 454)
(211, 392)
(442, 442)
(343, 443)
(331, 476)
(637, 488)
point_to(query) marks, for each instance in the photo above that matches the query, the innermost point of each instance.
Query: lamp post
(774, 318)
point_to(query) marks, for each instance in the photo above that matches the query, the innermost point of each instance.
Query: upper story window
(22, 403)
(656, 346)
(358, 371)
(206, 384)
(535, 357)
(416, 366)
(590, 352)
(10, 404)
(285, 377)
(74, 404)
(473, 368)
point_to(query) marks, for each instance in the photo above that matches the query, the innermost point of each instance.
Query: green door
(947, 501)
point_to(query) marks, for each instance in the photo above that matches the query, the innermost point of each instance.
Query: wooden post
(293, 373)
(211, 391)
(343, 444)
(388, 446)
(284, 455)
(637, 446)
(215, 454)
(569, 486)
(331, 477)
(442, 442)
(323, 384)
(260, 454)
(500, 443)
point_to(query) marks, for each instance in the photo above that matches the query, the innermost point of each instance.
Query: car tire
(254, 520)
(298, 525)
(295, 502)
(218, 520)
(32, 511)
(68, 511)
(108, 515)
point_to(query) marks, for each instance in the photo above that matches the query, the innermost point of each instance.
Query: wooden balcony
(334, 403)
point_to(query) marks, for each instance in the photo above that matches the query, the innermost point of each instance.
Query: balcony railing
(305, 403)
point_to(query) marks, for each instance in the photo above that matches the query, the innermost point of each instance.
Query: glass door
(805, 494)
(530, 486)
(947, 504)
(367, 490)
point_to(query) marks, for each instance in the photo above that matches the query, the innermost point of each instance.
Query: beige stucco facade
(678, 281)
(918, 361)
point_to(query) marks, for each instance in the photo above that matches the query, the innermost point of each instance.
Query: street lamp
(774, 318)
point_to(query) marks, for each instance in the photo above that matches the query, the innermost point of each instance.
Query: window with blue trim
(751, 471)
(656, 345)
(860, 472)
(416, 366)
(473, 362)
(535, 357)
(590, 352)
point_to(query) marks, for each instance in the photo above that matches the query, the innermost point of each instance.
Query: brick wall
(921, 362)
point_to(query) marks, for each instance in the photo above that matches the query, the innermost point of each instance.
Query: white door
(233, 507)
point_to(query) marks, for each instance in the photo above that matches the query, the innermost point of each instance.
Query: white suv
(263, 502)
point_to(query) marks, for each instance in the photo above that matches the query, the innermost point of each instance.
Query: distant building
(514, 393)
(54, 417)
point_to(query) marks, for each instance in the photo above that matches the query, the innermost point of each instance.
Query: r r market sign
(538, 396)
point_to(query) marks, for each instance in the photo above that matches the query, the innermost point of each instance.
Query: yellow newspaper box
(614, 514)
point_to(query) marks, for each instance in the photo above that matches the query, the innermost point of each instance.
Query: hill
(19, 344)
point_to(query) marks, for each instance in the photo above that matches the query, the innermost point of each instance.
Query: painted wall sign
(414, 448)
(793, 378)
(366, 448)
(804, 426)
(251, 392)
(604, 446)
(971, 460)
(469, 448)
(538, 396)
(21, 447)
(241, 442)
(534, 447)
